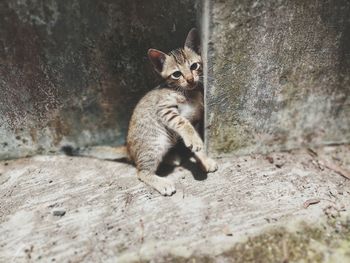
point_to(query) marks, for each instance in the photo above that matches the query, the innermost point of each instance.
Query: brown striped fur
(169, 113)
(164, 116)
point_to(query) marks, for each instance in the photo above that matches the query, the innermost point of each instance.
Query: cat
(164, 116)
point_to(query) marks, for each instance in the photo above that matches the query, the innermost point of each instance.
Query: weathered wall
(71, 71)
(279, 74)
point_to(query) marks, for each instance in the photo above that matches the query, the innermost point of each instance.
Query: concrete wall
(72, 70)
(279, 74)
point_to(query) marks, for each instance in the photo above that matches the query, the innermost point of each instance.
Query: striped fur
(167, 114)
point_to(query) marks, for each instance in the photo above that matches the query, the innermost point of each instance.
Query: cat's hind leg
(148, 160)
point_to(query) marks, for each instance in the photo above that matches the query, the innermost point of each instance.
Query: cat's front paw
(210, 165)
(194, 143)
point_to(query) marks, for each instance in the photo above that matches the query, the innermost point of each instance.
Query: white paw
(164, 186)
(210, 165)
(194, 143)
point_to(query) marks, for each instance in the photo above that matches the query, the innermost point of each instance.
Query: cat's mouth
(192, 86)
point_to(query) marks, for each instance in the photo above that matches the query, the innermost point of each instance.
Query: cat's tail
(99, 152)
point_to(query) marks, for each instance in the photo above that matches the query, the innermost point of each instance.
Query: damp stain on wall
(72, 71)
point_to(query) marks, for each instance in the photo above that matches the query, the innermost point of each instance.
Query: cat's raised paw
(194, 143)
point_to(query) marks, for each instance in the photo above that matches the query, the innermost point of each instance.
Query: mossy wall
(72, 71)
(278, 74)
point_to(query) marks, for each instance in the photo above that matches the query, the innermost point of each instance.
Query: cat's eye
(195, 66)
(176, 75)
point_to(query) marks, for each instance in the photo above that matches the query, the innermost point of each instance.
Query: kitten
(164, 116)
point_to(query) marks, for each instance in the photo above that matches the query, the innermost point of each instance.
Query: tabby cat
(164, 116)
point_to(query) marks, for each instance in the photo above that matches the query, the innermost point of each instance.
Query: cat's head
(181, 68)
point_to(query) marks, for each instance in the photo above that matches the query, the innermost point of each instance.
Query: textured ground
(64, 209)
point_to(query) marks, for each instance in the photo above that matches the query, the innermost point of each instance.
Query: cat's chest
(192, 109)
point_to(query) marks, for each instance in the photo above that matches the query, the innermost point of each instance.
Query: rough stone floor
(70, 209)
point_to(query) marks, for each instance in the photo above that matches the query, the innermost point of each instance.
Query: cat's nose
(190, 80)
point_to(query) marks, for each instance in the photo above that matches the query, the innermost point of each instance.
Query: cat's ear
(157, 58)
(193, 41)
